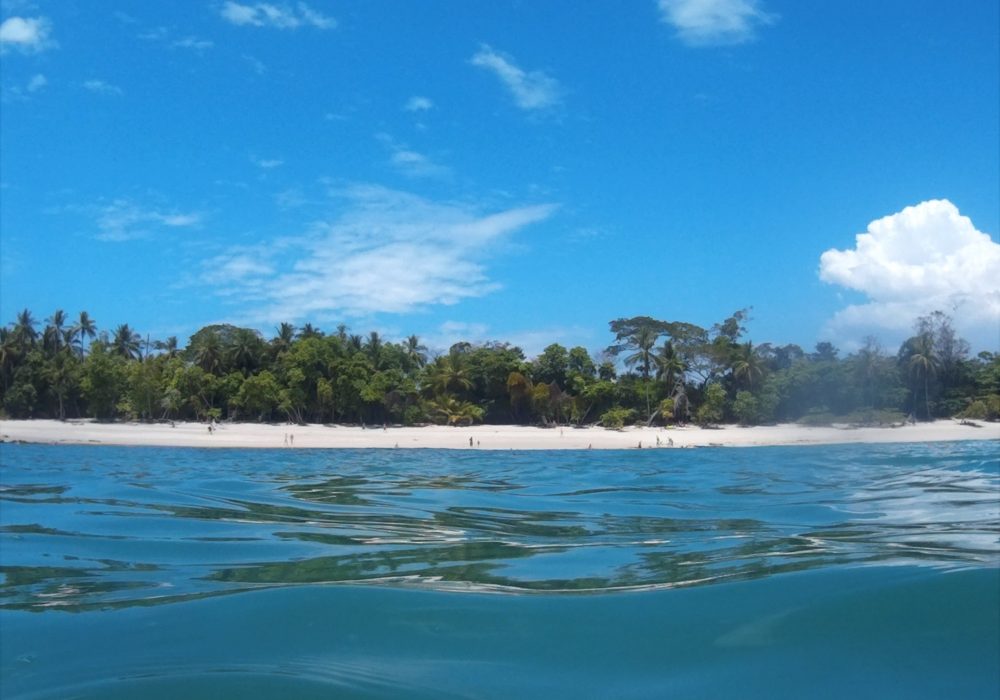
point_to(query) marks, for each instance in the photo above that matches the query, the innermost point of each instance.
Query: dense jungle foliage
(654, 372)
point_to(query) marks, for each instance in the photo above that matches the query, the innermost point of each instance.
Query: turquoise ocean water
(823, 572)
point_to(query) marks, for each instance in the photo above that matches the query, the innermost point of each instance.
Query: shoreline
(483, 437)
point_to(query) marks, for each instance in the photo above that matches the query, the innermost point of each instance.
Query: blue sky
(503, 170)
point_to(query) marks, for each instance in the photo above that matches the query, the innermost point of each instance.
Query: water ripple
(98, 527)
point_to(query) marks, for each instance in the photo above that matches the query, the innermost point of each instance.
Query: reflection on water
(99, 527)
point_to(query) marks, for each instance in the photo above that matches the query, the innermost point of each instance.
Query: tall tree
(54, 336)
(642, 341)
(923, 363)
(126, 342)
(747, 364)
(84, 329)
(415, 352)
(669, 366)
(24, 330)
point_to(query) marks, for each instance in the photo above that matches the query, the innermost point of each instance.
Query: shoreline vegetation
(655, 375)
(480, 437)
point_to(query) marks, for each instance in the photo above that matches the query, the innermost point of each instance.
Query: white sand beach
(483, 437)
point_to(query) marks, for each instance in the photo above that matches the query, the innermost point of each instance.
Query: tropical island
(655, 374)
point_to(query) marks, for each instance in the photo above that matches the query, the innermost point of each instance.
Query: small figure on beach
(670, 442)
(286, 439)
(657, 440)
(470, 442)
(640, 444)
(291, 439)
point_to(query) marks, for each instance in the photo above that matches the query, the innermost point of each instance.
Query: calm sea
(814, 572)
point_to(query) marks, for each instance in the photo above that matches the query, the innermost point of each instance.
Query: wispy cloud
(193, 43)
(409, 162)
(387, 252)
(925, 258)
(258, 66)
(714, 22)
(102, 88)
(268, 163)
(418, 104)
(125, 220)
(37, 82)
(26, 34)
(531, 90)
(264, 14)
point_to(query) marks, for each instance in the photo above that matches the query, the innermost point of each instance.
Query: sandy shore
(484, 437)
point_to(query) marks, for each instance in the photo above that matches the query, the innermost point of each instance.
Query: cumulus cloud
(418, 104)
(264, 14)
(124, 220)
(388, 252)
(925, 258)
(26, 34)
(714, 22)
(532, 90)
(101, 87)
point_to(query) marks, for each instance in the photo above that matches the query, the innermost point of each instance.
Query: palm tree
(9, 354)
(310, 331)
(867, 368)
(415, 352)
(244, 352)
(284, 336)
(54, 335)
(24, 330)
(167, 347)
(208, 353)
(669, 366)
(84, 328)
(748, 364)
(373, 348)
(923, 365)
(126, 342)
(354, 343)
(643, 341)
(449, 373)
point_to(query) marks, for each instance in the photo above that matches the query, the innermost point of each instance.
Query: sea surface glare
(862, 571)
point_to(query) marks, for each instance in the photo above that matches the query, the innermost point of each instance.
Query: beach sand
(483, 437)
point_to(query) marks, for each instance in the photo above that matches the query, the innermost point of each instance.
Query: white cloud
(714, 22)
(37, 82)
(388, 252)
(418, 104)
(26, 34)
(925, 258)
(531, 90)
(264, 14)
(268, 163)
(416, 164)
(102, 88)
(124, 220)
(409, 162)
(193, 43)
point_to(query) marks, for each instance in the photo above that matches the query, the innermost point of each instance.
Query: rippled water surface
(371, 567)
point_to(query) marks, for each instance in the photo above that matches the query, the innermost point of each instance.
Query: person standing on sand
(470, 442)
